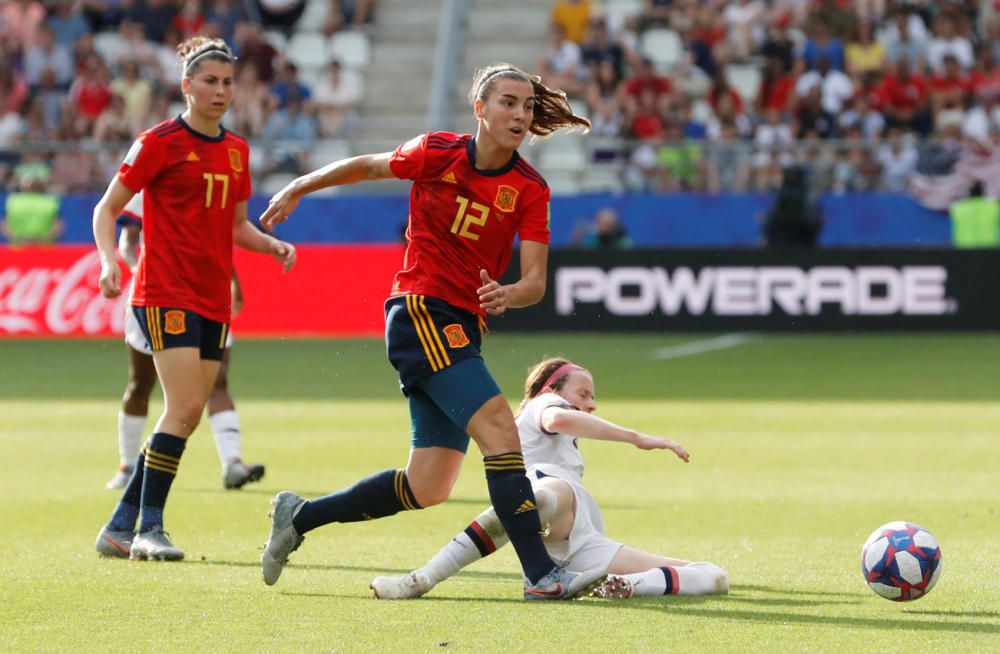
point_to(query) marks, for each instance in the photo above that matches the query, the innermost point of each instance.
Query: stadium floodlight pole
(447, 56)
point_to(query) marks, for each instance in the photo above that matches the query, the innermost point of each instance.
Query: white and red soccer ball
(901, 561)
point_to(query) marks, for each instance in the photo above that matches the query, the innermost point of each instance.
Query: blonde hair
(199, 49)
(552, 109)
(539, 375)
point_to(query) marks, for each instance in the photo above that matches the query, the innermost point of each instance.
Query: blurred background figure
(606, 232)
(31, 215)
(794, 220)
(975, 221)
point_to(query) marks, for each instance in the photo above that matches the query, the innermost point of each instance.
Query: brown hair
(198, 49)
(540, 374)
(552, 109)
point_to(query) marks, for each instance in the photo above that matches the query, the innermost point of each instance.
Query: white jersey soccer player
(223, 419)
(556, 412)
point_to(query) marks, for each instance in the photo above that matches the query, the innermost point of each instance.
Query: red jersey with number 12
(462, 219)
(191, 185)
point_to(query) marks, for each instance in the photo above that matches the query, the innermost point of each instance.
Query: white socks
(130, 430)
(691, 579)
(228, 440)
(488, 533)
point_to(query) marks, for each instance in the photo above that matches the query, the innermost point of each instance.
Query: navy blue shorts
(435, 349)
(167, 327)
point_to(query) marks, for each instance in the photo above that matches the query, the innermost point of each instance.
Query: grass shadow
(789, 591)
(470, 574)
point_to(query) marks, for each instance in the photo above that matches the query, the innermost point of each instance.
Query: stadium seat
(308, 50)
(276, 39)
(619, 11)
(562, 154)
(350, 48)
(745, 78)
(663, 47)
(314, 16)
(274, 182)
(602, 179)
(701, 111)
(562, 183)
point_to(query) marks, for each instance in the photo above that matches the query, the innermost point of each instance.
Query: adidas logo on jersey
(528, 505)
(449, 177)
(193, 157)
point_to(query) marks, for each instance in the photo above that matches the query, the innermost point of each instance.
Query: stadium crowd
(700, 95)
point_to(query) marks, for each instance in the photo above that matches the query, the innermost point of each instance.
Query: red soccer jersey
(191, 185)
(462, 219)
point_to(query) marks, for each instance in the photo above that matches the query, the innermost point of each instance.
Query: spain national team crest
(235, 160)
(506, 198)
(456, 336)
(173, 322)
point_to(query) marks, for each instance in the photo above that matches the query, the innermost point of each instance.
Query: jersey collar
(470, 152)
(203, 137)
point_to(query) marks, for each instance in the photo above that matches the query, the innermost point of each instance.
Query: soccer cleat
(154, 545)
(284, 539)
(614, 587)
(560, 583)
(114, 544)
(120, 480)
(411, 586)
(238, 474)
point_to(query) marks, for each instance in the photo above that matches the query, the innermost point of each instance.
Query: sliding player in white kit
(556, 411)
(222, 416)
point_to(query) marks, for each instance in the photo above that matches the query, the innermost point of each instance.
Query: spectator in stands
(348, 14)
(745, 26)
(646, 123)
(165, 72)
(560, 64)
(813, 119)
(573, 16)
(75, 170)
(335, 96)
(281, 14)
(606, 232)
(46, 52)
(190, 20)
(50, 100)
(836, 88)
(906, 38)
(862, 116)
(975, 220)
(728, 111)
(773, 139)
(606, 116)
(822, 43)
(141, 49)
(656, 13)
(31, 215)
(155, 16)
(947, 41)
(601, 47)
(905, 99)
(36, 130)
(137, 94)
(898, 159)
(67, 22)
(985, 76)
(288, 84)
(864, 53)
(89, 95)
(726, 167)
(13, 89)
(835, 15)
(950, 88)
(779, 44)
(251, 103)
(777, 88)
(226, 15)
(19, 20)
(114, 123)
(293, 130)
(707, 40)
(795, 219)
(679, 159)
(105, 14)
(644, 78)
(869, 11)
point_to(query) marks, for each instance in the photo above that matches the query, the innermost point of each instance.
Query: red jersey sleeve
(537, 216)
(142, 162)
(407, 161)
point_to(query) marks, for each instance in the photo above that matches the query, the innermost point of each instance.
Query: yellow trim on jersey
(434, 331)
(432, 355)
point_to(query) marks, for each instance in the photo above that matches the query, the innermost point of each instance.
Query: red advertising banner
(334, 290)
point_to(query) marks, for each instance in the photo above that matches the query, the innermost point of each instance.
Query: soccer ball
(901, 561)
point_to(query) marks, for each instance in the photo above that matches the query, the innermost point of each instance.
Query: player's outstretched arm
(346, 171)
(250, 238)
(587, 425)
(108, 207)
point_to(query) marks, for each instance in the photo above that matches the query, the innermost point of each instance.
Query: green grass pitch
(801, 445)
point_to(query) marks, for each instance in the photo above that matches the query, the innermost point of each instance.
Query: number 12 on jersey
(469, 214)
(210, 180)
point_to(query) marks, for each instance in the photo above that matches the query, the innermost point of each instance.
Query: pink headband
(560, 372)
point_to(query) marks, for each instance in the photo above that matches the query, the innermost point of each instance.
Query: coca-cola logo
(58, 300)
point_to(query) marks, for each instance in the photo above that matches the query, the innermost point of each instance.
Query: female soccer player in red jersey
(471, 197)
(196, 179)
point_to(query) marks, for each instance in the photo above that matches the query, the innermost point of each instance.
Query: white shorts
(137, 340)
(587, 547)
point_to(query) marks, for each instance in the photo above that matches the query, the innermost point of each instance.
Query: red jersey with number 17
(463, 219)
(191, 185)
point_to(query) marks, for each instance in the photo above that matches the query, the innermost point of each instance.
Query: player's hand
(281, 205)
(646, 442)
(110, 282)
(492, 295)
(284, 253)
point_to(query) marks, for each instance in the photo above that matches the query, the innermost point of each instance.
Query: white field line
(707, 345)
